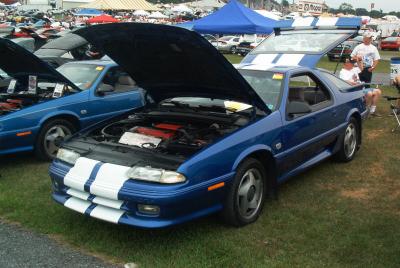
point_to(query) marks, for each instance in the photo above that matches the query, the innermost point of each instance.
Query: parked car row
(159, 142)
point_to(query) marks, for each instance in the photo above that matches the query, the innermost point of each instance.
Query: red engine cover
(155, 132)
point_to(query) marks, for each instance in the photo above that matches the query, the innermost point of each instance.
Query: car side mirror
(298, 107)
(104, 88)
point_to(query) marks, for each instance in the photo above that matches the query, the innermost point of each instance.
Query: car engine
(168, 133)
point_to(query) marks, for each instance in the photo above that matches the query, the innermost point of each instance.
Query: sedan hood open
(170, 61)
(18, 62)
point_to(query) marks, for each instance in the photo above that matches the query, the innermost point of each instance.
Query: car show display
(209, 133)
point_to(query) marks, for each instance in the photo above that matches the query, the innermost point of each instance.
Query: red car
(391, 43)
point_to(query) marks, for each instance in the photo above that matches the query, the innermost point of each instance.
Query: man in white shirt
(350, 74)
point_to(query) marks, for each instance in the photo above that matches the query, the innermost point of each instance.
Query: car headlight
(155, 175)
(68, 156)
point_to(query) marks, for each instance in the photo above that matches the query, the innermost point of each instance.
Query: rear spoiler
(324, 23)
(353, 88)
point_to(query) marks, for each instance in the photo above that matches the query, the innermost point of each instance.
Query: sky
(385, 5)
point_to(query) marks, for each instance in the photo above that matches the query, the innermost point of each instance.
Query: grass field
(335, 215)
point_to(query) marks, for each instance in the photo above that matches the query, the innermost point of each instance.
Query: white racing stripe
(289, 60)
(78, 194)
(106, 214)
(80, 173)
(327, 21)
(264, 59)
(299, 22)
(109, 181)
(108, 202)
(77, 204)
(257, 67)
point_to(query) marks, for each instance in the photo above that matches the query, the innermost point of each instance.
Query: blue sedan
(41, 106)
(211, 138)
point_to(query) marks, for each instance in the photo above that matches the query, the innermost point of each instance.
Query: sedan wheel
(50, 136)
(250, 193)
(350, 142)
(53, 137)
(245, 198)
(233, 50)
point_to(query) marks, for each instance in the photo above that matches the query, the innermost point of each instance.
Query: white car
(227, 44)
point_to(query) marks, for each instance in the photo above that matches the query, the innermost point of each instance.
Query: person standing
(367, 57)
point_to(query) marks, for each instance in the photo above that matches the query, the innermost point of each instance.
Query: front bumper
(177, 204)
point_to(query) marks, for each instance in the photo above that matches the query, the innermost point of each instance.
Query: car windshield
(226, 38)
(3, 74)
(390, 39)
(197, 102)
(300, 41)
(82, 75)
(268, 85)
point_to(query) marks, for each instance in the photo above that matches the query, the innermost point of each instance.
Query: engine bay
(20, 97)
(172, 133)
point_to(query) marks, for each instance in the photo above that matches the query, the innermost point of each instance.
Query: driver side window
(118, 80)
(306, 88)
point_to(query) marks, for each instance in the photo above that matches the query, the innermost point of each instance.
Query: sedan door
(308, 134)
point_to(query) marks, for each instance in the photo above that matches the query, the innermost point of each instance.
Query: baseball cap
(367, 34)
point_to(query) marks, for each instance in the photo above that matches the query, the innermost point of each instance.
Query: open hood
(18, 62)
(303, 41)
(170, 61)
(61, 45)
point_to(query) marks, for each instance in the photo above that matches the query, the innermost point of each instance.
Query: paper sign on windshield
(58, 90)
(32, 88)
(11, 86)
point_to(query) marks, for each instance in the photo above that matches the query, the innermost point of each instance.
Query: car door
(121, 94)
(304, 136)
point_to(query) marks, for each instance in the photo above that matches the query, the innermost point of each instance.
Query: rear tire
(350, 142)
(245, 199)
(50, 136)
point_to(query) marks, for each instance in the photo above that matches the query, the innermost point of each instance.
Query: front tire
(233, 50)
(350, 142)
(245, 199)
(50, 136)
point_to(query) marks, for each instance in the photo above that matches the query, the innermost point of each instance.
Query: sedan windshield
(268, 85)
(82, 75)
(301, 41)
(3, 74)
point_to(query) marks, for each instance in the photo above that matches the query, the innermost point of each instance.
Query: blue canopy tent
(233, 18)
(89, 12)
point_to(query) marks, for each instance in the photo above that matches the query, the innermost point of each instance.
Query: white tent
(206, 4)
(157, 15)
(181, 8)
(141, 13)
(268, 14)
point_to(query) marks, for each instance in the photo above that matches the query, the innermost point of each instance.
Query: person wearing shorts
(367, 57)
(350, 74)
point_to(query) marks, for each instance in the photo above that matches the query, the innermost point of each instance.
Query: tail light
(252, 46)
(347, 51)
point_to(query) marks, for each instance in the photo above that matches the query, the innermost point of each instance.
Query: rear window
(341, 84)
(301, 41)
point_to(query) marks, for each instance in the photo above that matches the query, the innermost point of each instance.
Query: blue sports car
(40, 106)
(211, 138)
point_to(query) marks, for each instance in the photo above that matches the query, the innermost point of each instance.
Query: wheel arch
(357, 116)
(71, 117)
(263, 154)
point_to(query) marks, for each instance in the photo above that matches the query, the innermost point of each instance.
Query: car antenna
(340, 58)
